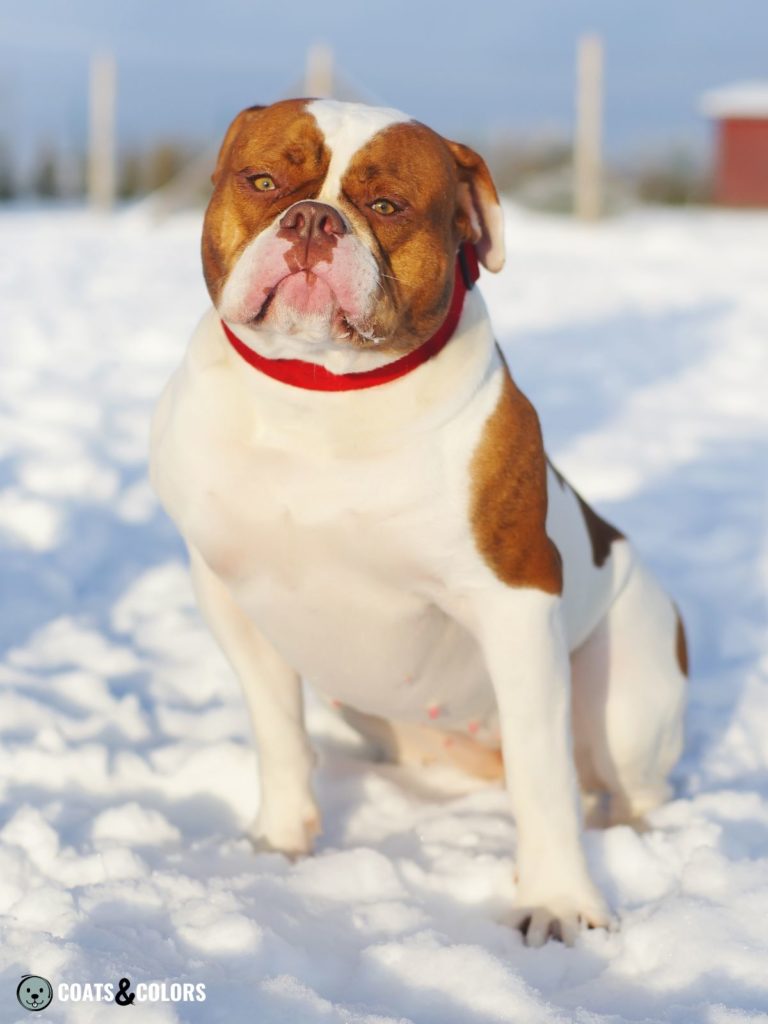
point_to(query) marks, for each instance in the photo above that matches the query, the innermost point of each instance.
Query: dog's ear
(479, 206)
(242, 119)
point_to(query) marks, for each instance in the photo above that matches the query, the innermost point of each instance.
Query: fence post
(587, 156)
(318, 75)
(102, 176)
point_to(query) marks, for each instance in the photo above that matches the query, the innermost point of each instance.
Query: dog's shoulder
(508, 487)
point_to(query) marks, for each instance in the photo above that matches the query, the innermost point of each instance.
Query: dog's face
(338, 224)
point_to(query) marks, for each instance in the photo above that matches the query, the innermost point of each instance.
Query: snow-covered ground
(127, 772)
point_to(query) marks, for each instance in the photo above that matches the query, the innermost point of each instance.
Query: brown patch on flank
(601, 533)
(509, 496)
(681, 646)
(560, 478)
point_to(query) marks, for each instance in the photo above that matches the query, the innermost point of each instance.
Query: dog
(366, 501)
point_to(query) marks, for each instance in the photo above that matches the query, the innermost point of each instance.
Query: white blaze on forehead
(346, 128)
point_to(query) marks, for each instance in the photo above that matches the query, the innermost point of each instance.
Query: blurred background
(141, 91)
(630, 142)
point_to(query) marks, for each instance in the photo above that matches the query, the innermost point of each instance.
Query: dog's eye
(383, 206)
(262, 182)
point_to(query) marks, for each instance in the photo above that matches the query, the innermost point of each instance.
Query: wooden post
(318, 76)
(102, 178)
(587, 156)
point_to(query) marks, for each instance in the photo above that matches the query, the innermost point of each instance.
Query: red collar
(312, 377)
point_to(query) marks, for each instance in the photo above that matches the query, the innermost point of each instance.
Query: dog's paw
(560, 918)
(294, 838)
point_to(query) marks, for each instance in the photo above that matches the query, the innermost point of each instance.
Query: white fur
(330, 539)
(347, 127)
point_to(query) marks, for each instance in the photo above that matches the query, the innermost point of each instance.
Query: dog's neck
(373, 419)
(324, 365)
(310, 376)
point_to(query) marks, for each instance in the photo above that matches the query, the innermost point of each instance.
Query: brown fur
(681, 645)
(413, 166)
(509, 496)
(477, 195)
(602, 534)
(283, 141)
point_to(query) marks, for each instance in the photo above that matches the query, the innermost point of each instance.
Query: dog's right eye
(262, 182)
(384, 206)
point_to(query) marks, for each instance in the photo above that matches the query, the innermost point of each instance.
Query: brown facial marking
(282, 141)
(416, 246)
(601, 533)
(312, 229)
(478, 204)
(509, 496)
(681, 646)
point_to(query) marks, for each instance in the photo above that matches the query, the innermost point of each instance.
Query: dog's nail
(433, 711)
(473, 727)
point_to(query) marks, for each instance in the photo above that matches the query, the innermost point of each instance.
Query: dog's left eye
(383, 206)
(262, 182)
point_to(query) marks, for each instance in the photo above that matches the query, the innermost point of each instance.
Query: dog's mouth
(306, 296)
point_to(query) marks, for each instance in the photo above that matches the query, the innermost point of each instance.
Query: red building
(741, 163)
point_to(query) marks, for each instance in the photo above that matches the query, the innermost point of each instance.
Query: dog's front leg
(288, 817)
(522, 636)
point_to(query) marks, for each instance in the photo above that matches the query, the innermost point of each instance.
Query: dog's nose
(311, 220)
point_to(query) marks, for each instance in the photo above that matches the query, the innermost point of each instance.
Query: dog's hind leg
(409, 743)
(629, 687)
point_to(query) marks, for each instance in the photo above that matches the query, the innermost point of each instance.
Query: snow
(743, 99)
(127, 773)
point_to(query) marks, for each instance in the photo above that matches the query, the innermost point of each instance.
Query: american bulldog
(367, 503)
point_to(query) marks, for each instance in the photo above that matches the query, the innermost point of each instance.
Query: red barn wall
(742, 162)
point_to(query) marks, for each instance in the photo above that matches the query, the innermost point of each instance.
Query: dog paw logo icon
(34, 992)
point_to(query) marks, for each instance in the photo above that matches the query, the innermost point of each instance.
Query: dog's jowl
(367, 502)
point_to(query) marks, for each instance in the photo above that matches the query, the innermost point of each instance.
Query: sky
(471, 70)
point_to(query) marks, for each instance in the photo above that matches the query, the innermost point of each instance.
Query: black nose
(313, 221)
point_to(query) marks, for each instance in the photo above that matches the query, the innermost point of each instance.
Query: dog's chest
(334, 560)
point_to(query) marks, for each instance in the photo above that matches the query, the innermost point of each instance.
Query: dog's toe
(560, 922)
(293, 839)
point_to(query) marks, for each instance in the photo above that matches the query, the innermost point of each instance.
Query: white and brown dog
(367, 502)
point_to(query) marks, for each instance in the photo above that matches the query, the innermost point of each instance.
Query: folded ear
(243, 118)
(479, 202)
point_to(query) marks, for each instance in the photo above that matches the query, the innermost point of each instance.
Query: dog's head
(338, 224)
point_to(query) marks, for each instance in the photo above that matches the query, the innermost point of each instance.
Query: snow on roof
(742, 99)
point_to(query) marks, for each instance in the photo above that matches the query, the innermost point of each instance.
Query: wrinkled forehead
(340, 140)
(347, 128)
(377, 144)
